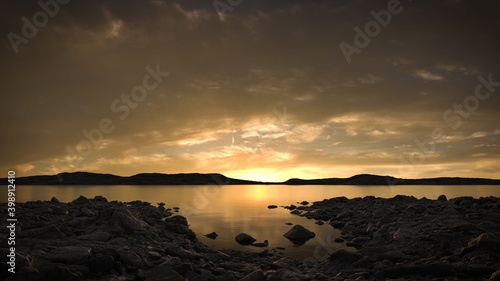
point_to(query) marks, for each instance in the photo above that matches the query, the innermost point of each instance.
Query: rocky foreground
(401, 237)
(404, 237)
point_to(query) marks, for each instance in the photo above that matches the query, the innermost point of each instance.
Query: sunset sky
(261, 90)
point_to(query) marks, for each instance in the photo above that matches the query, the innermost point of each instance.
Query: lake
(233, 209)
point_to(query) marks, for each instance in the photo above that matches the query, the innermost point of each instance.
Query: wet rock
(304, 203)
(442, 198)
(212, 235)
(299, 234)
(272, 207)
(244, 239)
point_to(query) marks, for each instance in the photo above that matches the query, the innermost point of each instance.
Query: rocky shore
(397, 238)
(413, 239)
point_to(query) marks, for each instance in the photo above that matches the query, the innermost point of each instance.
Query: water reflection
(230, 210)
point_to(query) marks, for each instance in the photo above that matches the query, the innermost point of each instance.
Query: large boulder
(244, 239)
(299, 235)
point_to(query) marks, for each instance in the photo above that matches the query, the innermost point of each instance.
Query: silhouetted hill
(83, 178)
(366, 179)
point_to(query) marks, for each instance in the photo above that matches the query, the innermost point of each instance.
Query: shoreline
(400, 237)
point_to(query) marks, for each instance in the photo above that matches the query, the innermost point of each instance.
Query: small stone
(212, 235)
(244, 239)
(442, 198)
(299, 234)
(272, 207)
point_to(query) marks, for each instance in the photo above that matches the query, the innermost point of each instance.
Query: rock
(272, 207)
(102, 263)
(486, 241)
(131, 259)
(339, 240)
(99, 198)
(164, 273)
(495, 276)
(123, 220)
(288, 223)
(304, 203)
(319, 222)
(177, 220)
(87, 212)
(257, 275)
(265, 244)
(299, 234)
(212, 235)
(282, 275)
(82, 200)
(96, 236)
(442, 198)
(69, 254)
(244, 239)
(62, 273)
(344, 256)
(54, 200)
(178, 251)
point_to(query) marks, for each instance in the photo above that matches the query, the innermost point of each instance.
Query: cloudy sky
(264, 90)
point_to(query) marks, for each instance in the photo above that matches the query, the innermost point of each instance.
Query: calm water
(230, 210)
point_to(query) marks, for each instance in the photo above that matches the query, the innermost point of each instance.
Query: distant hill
(84, 178)
(366, 179)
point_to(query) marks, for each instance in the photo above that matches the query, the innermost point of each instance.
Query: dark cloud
(233, 78)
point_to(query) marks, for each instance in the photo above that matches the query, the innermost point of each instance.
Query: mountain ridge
(86, 178)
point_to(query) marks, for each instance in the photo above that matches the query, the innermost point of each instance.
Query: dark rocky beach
(399, 238)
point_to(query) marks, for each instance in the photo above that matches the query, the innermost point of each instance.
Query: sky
(260, 90)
